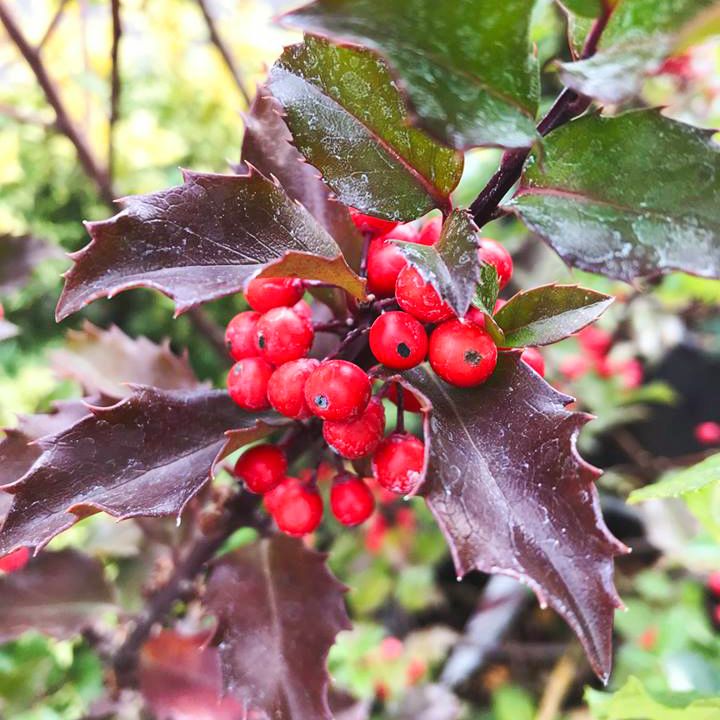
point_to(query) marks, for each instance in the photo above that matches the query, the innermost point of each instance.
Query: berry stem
(400, 402)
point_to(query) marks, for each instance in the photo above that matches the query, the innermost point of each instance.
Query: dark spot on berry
(321, 401)
(261, 341)
(473, 357)
(403, 350)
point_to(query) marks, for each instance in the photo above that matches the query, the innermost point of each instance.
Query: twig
(400, 402)
(224, 51)
(24, 117)
(53, 25)
(114, 85)
(559, 683)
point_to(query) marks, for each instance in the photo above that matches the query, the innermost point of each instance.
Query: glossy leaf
(201, 241)
(348, 119)
(19, 256)
(638, 37)
(465, 65)
(279, 610)
(267, 145)
(451, 265)
(146, 456)
(585, 8)
(106, 361)
(628, 196)
(681, 482)
(544, 315)
(512, 495)
(79, 594)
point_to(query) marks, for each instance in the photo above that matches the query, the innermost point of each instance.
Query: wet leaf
(546, 314)
(512, 495)
(465, 86)
(628, 196)
(19, 256)
(348, 119)
(201, 241)
(279, 610)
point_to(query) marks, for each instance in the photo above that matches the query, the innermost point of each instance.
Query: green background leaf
(679, 483)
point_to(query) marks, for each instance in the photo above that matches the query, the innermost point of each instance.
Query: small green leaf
(465, 65)
(451, 265)
(675, 484)
(627, 196)
(348, 119)
(549, 313)
(488, 289)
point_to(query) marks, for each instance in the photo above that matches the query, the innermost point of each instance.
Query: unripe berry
(241, 335)
(264, 294)
(398, 340)
(420, 298)
(370, 223)
(337, 390)
(351, 500)
(286, 389)
(297, 508)
(462, 353)
(385, 260)
(261, 468)
(398, 462)
(247, 383)
(493, 253)
(708, 433)
(359, 437)
(14, 561)
(533, 357)
(284, 336)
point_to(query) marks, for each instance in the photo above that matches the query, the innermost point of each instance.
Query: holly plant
(376, 355)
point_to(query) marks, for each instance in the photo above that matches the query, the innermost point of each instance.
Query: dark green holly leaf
(451, 265)
(546, 314)
(347, 118)
(204, 240)
(465, 65)
(278, 610)
(628, 196)
(488, 289)
(638, 37)
(512, 495)
(585, 8)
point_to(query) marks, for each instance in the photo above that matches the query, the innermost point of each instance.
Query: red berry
(371, 224)
(430, 232)
(14, 561)
(337, 390)
(261, 468)
(241, 335)
(398, 340)
(708, 433)
(264, 294)
(391, 648)
(713, 583)
(462, 353)
(247, 383)
(282, 336)
(286, 389)
(574, 366)
(595, 340)
(398, 462)
(385, 261)
(493, 253)
(351, 500)
(420, 298)
(356, 438)
(410, 401)
(297, 508)
(533, 357)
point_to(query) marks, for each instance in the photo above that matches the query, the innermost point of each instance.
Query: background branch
(114, 85)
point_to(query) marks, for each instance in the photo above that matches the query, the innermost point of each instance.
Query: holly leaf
(279, 610)
(146, 456)
(7, 329)
(79, 594)
(347, 118)
(180, 679)
(628, 196)
(106, 361)
(527, 508)
(19, 256)
(680, 482)
(267, 145)
(487, 290)
(464, 86)
(549, 313)
(451, 265)
(204, 240)
(584, 8)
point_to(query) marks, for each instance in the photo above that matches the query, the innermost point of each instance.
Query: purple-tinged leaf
(546, 314)
(451, 265)
(203, 240)
(19, 256)
(279, 610)
(57, 593)
(146, 456)
(106, 361)
(512, 495)
(267, 145)
(347, 118)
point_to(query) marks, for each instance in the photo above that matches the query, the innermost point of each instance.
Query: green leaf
(626, 197)
(488, 289)
(348, 119)
(679, 483)
(639, 36)
(546, 314)
(633, 702)
(465, 65)
(585, 8)
(451, 265)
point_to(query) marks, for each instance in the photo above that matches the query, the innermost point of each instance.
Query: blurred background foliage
(651, 375)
